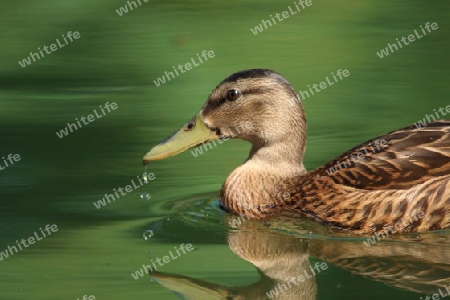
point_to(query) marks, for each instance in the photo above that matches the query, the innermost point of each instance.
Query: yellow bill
(191, 135)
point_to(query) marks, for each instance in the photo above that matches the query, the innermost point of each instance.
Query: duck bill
(193, 134)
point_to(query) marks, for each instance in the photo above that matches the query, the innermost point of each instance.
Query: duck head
(261, 107)
(256, 105)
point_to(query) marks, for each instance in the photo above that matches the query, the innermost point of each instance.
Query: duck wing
(398, 160)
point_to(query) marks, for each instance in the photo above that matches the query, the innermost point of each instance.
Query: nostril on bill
(189, 126)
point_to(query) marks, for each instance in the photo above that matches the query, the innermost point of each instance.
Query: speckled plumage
(400, 179)
(398, 182)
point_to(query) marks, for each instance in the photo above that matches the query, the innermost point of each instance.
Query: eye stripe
(256, 91)
(218, 102)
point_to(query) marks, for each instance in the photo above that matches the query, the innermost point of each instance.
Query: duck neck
(261, 184)
(281, 158)
(283, 149)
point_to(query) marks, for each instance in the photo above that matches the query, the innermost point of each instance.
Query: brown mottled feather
(411, 156)
(391, 187)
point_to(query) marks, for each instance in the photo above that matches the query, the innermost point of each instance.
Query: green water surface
(116, 59)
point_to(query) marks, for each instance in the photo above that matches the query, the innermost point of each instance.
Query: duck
(395, 183)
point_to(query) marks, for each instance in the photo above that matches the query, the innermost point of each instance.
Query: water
(146, 196)
(145, 177)
(116, 59)
(148, 234)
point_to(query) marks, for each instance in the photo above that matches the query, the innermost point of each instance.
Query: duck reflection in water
(281, 251)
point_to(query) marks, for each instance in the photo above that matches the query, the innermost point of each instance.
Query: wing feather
(397, 160)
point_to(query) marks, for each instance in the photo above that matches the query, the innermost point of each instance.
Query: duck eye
(233, 95)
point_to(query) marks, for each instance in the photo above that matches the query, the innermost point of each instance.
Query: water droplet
(145, 177)
(148, 234)
(146, 196)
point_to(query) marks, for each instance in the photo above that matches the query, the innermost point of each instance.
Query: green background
(116, 59)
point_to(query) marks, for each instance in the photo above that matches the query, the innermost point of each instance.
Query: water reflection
(415, 263)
